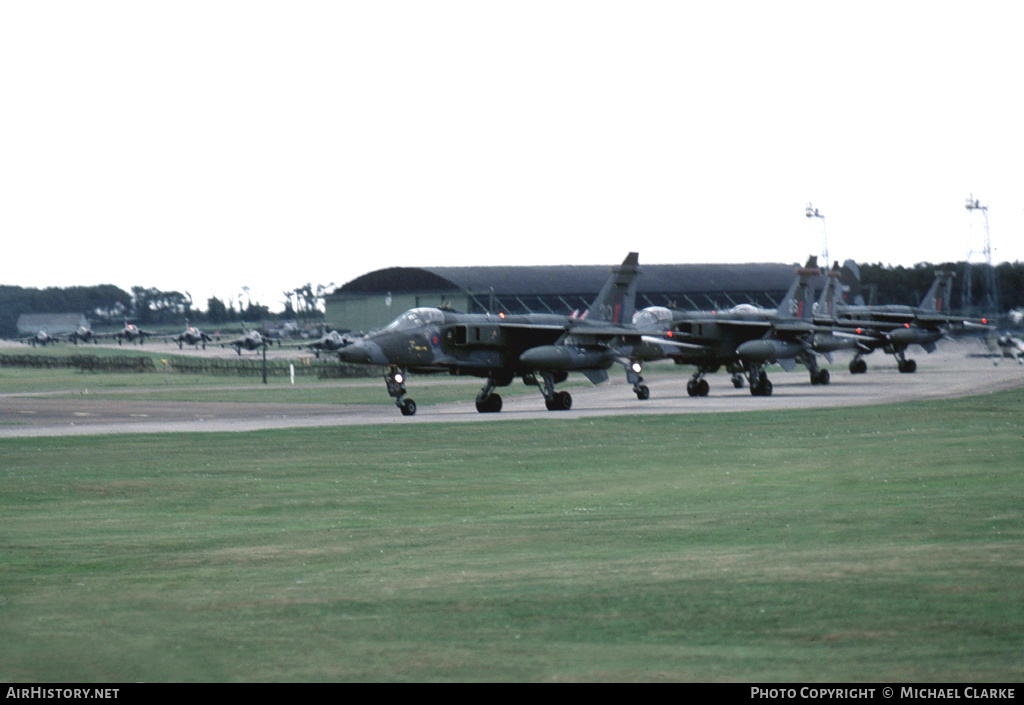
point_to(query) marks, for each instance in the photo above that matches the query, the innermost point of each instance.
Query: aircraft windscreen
(652, 317)
(416, 318)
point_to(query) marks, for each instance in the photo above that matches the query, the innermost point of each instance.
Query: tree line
(106, 304)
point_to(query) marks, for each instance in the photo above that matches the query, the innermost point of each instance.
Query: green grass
(160, 386)
(865, 544)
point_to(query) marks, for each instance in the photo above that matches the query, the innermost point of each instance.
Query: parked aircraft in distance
(41, 338)
(250, 340)
(131, 333)
(193, 336)
(539, 348)
(332, 341)
(83, 333)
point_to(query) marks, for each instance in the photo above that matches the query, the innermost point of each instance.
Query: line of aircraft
(250, 340)
(542, 349)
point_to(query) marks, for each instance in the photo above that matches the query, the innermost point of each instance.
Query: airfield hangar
(373, 300)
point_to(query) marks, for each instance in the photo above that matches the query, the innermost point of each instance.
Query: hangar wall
(364, 312)
(375, 299)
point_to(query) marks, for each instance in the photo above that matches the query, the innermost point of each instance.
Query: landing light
(637, 367)
(399, 378)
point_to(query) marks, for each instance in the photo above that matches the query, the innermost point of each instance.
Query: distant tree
(307, 301)
(217, 311)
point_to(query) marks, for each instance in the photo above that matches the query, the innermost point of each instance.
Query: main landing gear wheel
(407, 407)
(763, 388)
(907, 366)
(561, 401)
(698, 388)
(858, 367)
(820, 377)
(489, 405)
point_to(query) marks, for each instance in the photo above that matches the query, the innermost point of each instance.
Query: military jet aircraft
(250, 340)
(893, 328)
(131, 333)
(41, 338)
(539, 348)
(332, 341)
(744, 339)
(193, 336)
(1006, 345)
(83, 333)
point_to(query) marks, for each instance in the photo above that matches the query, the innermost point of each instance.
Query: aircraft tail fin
(852, 291)
(616, 303)
(831, 293)
(938, 296)
(799, 299)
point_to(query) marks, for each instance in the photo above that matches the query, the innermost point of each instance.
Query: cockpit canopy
(652, 317)
(416, 318)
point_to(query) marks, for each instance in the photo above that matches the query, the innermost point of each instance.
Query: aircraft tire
(909, 366)
(643, 392)
(408, 408)
(562, 401)
(565, 400)
(703, 388)
(858, 367)
(491, 406)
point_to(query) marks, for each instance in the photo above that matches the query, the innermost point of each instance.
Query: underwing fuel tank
(555, 358)
(909, 336)
(768, 350)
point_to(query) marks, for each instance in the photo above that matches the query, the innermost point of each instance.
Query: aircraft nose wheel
(407, 407)
(643, 392)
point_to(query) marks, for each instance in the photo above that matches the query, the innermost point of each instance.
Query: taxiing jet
(1006, 345)
(743, 339)
(539, 348)
(893, 328)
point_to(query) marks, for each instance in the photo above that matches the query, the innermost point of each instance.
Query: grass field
(861, 544)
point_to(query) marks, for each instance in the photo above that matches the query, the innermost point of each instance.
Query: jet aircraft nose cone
(363, 352)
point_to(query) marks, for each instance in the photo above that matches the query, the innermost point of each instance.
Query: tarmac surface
(949, 372)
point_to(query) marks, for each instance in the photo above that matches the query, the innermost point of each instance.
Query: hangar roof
(574, 279)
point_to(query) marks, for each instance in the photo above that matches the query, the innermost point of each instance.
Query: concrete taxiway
(949, 372)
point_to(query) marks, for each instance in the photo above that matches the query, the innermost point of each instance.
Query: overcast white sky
(205, 146)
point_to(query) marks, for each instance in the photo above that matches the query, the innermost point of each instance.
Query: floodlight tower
(812, 212)
(991, 301)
